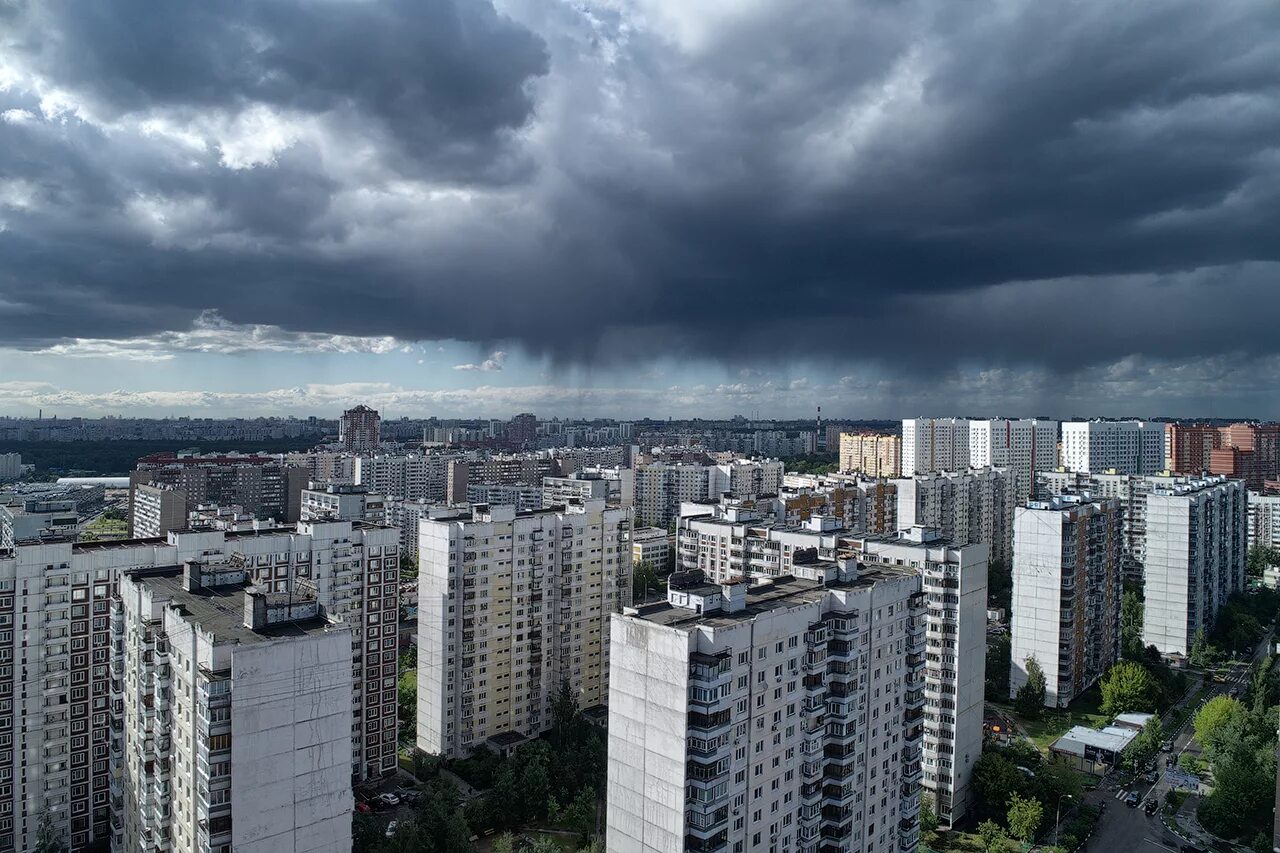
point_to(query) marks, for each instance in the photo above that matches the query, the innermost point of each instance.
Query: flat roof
(1111, 739)
(220, 610)
(785, 591)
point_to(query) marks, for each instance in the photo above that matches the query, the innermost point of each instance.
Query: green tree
(580, 815)
(48, 839)
(995, 779)
(1025, 814)
(928, 816)
(1147, 743)
(1202, 654)
(998, 659)
(992, 835)
(1260, 558)
(504, 843)
(1128, 686)
(366, 833)
(644, 581)
(1215, 718)
(544, 844)
(1131, 608)
(1030, 699)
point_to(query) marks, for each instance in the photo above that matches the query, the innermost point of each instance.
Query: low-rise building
(654, 546)
(38, 519)
(341, 502)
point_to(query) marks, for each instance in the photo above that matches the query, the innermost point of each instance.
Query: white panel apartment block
(1196, 554)
(510, 605)
(786, 717)
(1127, 447)
(934, 444)
(1066, 594)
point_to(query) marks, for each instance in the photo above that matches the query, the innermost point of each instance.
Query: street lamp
(1057, 819)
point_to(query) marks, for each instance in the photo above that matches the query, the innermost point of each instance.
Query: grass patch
(104, 528)
(1086, 710)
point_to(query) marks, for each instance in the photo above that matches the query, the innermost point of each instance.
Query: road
(1129, 829)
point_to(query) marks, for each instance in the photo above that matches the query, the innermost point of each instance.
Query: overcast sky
(640, 207)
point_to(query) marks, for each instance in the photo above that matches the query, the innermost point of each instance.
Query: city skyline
(603, 208)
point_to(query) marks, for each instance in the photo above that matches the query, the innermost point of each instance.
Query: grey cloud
(1044, 186)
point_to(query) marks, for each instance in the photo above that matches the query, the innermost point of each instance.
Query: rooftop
(220, 610)
(785, 591)
(1111, 739)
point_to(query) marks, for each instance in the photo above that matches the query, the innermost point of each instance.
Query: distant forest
(117, 458)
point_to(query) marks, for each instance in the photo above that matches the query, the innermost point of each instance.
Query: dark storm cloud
(1016, 183)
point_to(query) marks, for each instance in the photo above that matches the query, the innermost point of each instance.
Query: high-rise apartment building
(581, 486)
(10, 466)
(359, 430)
(934, 444)
(56, 655)
(955, 588)
(1264, 520)
(522, 432)
(412, 476)
(784, 716)
(1066, 594)
(1196, 553)
(235, 714)
(1021, 447)
(38, 519)
(1126, 447)
(660, 487)
(341, 502)
(156, 510)
(260, 484)
(1187, 447)
(969, 506)
(873, 454)
(510, 606)
(1249, 452)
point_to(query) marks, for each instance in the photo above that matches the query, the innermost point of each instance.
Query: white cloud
(16, 116)
(495, 362)
(212, 333)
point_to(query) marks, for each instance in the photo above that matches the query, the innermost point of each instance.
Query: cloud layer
(1056, 189)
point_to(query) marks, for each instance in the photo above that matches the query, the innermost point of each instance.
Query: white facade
(1127, 447)
(1264, 520)
(660, 487)
(413, 476)
(654, 546)
(38, 519)
(343, 503)
(62, 648)
(509, 606)
(1196, 553)
(955, 587)
(236, 730)
(934, 444)
(974, 505)
(1021, 447)
(1067, 583)
(10, 466)
(784, 717)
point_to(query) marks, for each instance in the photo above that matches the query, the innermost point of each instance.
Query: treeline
(813, 463)
(1018, 792)
(118, 458)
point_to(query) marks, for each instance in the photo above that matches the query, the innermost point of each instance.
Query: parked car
(392, 827)
(1167, 746)
(389, 799)
(1132, 800)
(1151, 806)
(364, 808)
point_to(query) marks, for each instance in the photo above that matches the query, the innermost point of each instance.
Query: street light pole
(1057, 819)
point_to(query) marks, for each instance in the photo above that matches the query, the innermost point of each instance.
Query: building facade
(970, 506)
(55, 642)
(38, 519)
(1125, 447)
(1196, 555)
(873, 454)
(1264, 520)
(156, 510)
(341, 502)
(1067, 582)
(787, 716)
(934, 444)
(1021, 447)
(217, 678)
(261, 484)
(359, 430)
(654, 546)
(510, 606)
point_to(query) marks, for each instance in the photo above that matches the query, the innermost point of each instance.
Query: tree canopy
(1030, 699)
(1025, 814)
(1128, 686)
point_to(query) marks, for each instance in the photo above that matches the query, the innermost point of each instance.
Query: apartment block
(1066, 593)
(580, 486)
(523, 498)
(654, 546)
(660, 487)
(934, 444)
(1187, 447)
(157, 509)
(1264, 520)
(511, 605)
(873, 454)
(1021, 447)
(236, 715)
(55, 646)
(359, 430)
(1125, 447)
(38, 519)
(10, 466)
(1196, 553)
(260, 484)
(955, 587)
(784, 716)
(342, 502)
(413, 476)
(969, 506)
